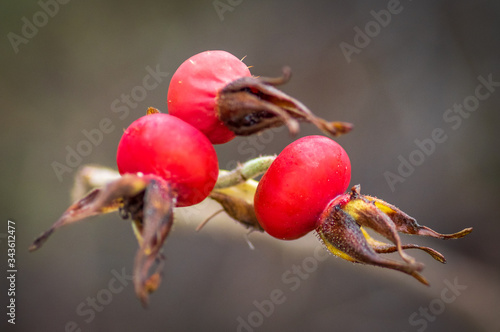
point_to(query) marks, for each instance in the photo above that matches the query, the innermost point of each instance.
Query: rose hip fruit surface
(195, 86)
(166, 146)
(300, 183)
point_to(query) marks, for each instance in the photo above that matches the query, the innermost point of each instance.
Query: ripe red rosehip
(298, 186)
(168, 147)
(195, 86)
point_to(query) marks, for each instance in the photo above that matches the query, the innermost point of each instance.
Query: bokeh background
(396, 89)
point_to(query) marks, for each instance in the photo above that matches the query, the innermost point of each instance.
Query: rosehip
(215, 92)
(303, 190)
(299, 184)
(194, 89)
(168, 147)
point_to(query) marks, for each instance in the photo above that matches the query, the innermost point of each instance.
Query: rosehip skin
(166, 146)
(194, 88)
(304, 178)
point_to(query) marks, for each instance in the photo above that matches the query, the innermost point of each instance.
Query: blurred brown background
(65, 79)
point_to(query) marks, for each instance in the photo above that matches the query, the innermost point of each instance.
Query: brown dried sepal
(98, 201)
(152, 110)
(237, 202)
(251, 104)
(146, 199)
(153, 224)
(236, 208)
(341, 230)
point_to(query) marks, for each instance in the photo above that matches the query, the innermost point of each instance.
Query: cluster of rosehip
(168, 160)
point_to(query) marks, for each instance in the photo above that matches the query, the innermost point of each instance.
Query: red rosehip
(215, 93)
(194, 89)
(168, 147)
(300, 183)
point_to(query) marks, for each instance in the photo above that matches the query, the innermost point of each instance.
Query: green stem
(244, 172)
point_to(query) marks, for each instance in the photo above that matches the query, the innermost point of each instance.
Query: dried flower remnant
(148, 201)
(342, 224)
(251, 104)
(215, 92)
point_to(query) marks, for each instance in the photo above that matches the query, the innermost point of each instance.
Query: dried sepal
(251, 104)
(98, 201)
(152, 231)
(90, 177)
(343, 237)
(341, 230)
(238, 209)
(146, 199)
(408, 225)
(237, 202)
(368, 215)
(152, 110)
(235, 191)
(386, 248)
